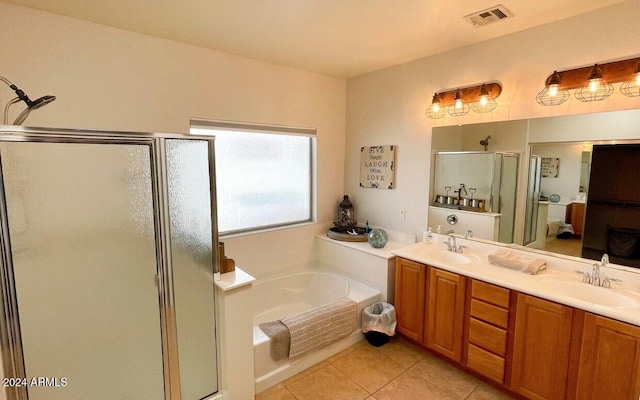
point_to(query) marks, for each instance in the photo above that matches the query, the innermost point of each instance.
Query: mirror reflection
(560, 202)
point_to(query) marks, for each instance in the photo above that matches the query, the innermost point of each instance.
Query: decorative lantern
(346, 214)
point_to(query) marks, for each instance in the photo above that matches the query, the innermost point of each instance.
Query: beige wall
(106, 78)
(387, 107)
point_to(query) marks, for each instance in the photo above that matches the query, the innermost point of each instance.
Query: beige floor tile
(327, 383)
(304, 373)
(487, 392)
(346, 351)
(402, 352)
(280, 394)
(445, 376)
(369, 368)
(265, 394)
(410, 386)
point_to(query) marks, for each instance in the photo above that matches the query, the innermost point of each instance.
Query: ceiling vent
(488, 16)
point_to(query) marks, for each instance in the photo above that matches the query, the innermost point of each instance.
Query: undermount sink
(607, 297)
(444, 256)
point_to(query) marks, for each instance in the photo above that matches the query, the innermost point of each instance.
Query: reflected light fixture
(22, 96)
(458, 102)
(592, 83)
(631, 87)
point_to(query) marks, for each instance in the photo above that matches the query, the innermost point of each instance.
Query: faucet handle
(606, 282)
(586, 276)
(460, 249)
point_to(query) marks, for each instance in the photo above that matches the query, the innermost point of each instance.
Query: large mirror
(557, 209)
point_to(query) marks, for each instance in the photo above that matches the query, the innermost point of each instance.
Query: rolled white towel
(517, 261)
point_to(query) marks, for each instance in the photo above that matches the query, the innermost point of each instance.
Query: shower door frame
(10, 336)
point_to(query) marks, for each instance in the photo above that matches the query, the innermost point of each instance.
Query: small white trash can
(379, 323)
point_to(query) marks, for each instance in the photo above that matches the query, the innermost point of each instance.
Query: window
(264, 174)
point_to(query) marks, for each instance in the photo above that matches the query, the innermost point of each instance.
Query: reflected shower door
(81, 225)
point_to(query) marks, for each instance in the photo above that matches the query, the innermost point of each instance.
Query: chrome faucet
(451, 243)
(468, 234)
(595, 275)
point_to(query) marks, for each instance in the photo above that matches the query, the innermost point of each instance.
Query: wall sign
(377, 167)
(550, 167)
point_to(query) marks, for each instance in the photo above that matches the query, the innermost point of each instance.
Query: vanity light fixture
(592, 83)
(552, 94)
(458, 102)
(595, 88)
(485, 103)
(631, 87)
(459, 107)
(435, 110)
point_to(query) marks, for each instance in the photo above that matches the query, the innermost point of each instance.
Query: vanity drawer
(486, 363)
(488, 337)
(490, 293)
(490, 313)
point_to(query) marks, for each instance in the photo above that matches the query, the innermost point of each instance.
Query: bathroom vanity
(546, 336)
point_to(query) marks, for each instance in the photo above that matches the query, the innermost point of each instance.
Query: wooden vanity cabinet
(575, 216)
(487, 330)
(536, 348)
(410, 289)
(609, 364)
(541, 348)
(445, 313)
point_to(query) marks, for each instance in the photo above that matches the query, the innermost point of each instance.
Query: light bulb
(594, 84)
(458, 103)
(638, 79)
(435, 107)
(483, 100)
(553, 90)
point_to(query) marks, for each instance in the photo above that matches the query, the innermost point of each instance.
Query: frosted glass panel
(82, 229)
(192, 259)
(262, 179)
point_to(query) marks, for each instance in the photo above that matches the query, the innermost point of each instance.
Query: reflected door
(83, 243)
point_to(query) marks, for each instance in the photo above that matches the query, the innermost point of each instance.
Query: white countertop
(385, 252)
(233, 280)
(557, 268)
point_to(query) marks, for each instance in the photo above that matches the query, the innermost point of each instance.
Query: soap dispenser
(428, 237)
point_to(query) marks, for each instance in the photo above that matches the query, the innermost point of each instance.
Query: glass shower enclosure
(107, 265)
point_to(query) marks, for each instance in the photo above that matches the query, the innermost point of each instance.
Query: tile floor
(396, 371)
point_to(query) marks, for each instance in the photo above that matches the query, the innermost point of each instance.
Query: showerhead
(485, 143)
(41, 102)
(22, 96)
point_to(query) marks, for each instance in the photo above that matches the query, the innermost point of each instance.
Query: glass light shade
(435, 110)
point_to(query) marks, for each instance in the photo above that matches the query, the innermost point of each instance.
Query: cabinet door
(409, 297)
(445, 313)
(609, 365)
(541, 348)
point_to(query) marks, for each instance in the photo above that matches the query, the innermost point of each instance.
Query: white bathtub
(291, 294)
